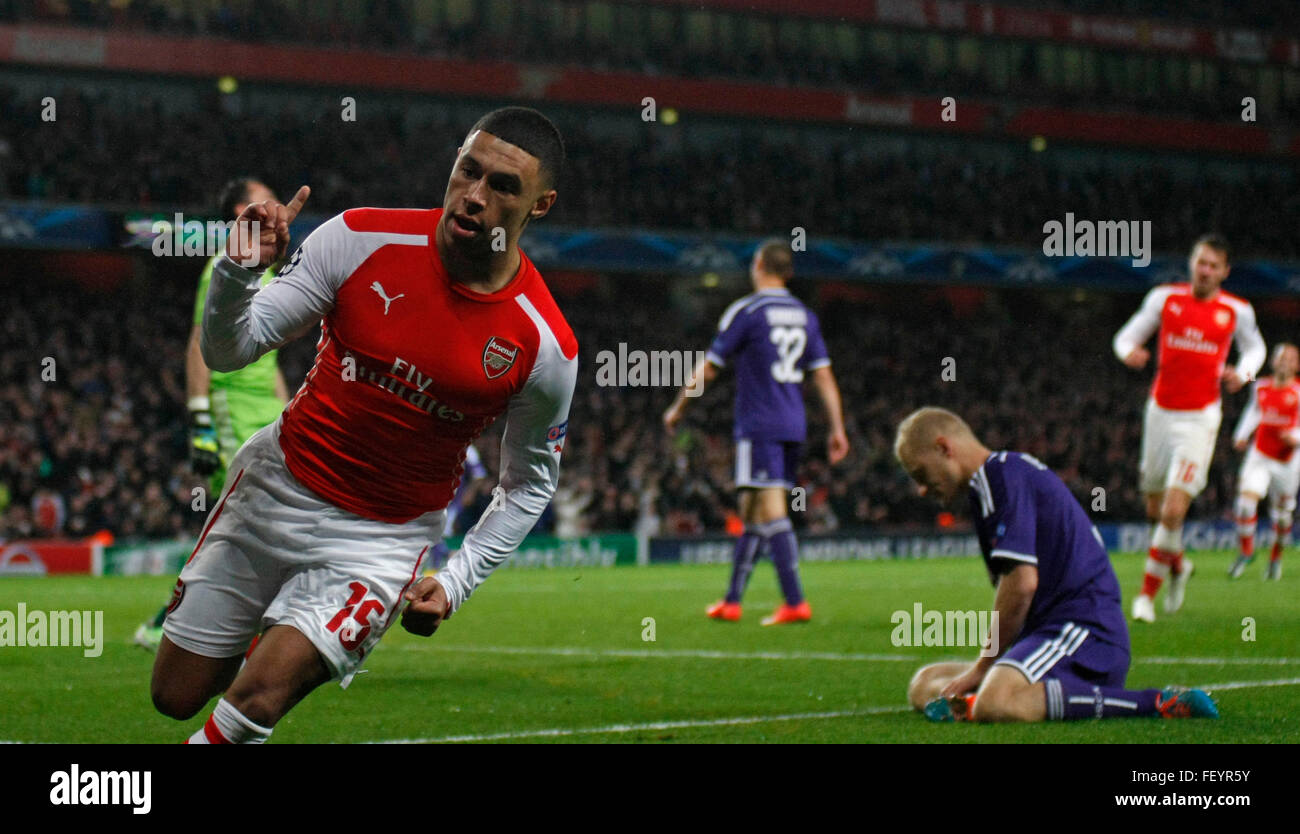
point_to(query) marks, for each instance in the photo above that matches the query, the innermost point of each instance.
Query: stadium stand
(139, 153)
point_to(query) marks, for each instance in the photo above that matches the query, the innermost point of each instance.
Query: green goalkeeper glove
(205, 452)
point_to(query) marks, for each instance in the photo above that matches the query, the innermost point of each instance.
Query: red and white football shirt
(410, 368)
(1275, 411)
(1195, 337)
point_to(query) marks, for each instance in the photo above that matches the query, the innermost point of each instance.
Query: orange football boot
(723, 610)
(800, 613)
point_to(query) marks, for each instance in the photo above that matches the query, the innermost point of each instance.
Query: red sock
(1151, 582)
(1248, 546)
(1276, 553)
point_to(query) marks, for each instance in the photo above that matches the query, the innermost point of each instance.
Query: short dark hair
(1217, 242)
(232, 194)
(776, 257)
(531, 132)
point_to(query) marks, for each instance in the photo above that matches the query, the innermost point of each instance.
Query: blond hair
(919, 429)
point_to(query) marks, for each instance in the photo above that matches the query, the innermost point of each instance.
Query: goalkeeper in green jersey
(225, 408)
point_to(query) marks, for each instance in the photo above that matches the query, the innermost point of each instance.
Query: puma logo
(377, 287)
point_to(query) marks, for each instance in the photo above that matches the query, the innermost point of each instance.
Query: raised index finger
(295, 205)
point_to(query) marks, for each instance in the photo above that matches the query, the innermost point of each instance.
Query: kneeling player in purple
(1064, 648)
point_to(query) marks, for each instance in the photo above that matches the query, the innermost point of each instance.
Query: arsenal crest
(498, 357)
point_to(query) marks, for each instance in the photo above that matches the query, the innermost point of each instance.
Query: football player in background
(1272, 466)
(1198, 323)
(474, 470)
(429, 332)
(1062, 649)
(773, 340)
(225, 408)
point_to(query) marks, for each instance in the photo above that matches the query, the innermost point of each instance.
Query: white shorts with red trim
(1177, 447)
(274, 553)
(1263, 475)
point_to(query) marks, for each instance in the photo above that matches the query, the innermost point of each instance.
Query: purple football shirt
(1025, 514)
(772, 339)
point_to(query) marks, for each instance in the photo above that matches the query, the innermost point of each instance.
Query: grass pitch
(559, 656)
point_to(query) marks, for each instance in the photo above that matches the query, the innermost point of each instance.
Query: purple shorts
(1070, 653)
(767, 463)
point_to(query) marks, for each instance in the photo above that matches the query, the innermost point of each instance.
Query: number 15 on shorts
(353, 634)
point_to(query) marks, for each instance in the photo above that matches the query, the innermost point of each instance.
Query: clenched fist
(428, 605)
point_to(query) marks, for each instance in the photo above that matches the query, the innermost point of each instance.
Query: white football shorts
(1263, 475)
(273, 553)
(1177, 447)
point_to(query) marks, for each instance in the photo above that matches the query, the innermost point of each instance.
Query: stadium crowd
(133, 153)
(103, 444)
(558, 34)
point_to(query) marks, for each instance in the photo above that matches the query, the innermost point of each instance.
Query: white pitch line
(708, 654)
(560, 732)
(1217, 661)
(575, 651)
(1214, 687)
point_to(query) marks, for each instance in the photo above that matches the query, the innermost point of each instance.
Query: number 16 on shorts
(1185, 473)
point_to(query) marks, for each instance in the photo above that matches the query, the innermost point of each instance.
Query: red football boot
(786, 614)
(723, 610)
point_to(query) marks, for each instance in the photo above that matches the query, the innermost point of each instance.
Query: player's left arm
(536, 423)
(816, 359)
(1251, 351)
(1291, 434)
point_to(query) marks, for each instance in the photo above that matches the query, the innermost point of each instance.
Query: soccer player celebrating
(1271, 466)
(433, 324)
(225, 409)
(773, 340)
(1062, 645)
(1197, 323)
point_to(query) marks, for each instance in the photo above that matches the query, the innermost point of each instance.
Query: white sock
(1247, 515)
(227, 725)
(1170, 541)
(1282, 518)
